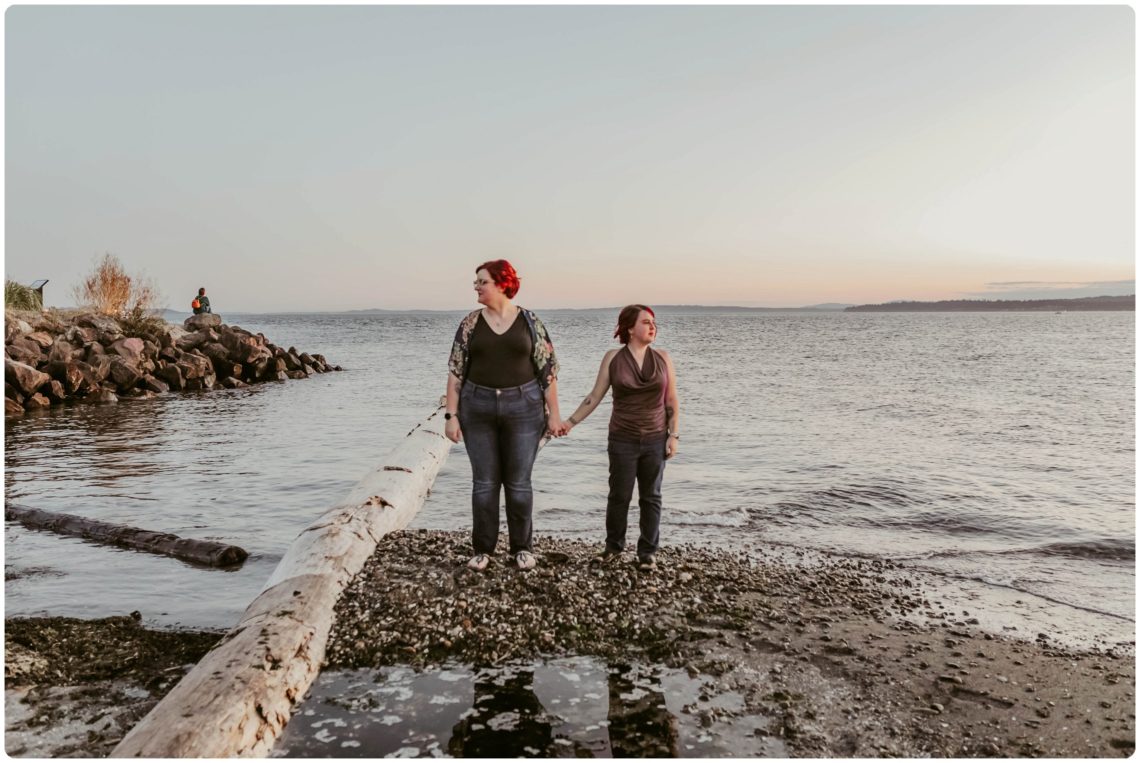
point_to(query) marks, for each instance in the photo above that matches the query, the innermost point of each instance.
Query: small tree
(112, 291)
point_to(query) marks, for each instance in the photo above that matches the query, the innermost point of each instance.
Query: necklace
(497, 323)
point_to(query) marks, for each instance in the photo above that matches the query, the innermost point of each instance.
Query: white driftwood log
(238, 698)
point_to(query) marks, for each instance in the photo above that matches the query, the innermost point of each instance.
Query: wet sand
(73, 687)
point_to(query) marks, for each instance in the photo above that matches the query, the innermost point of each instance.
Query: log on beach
(205, 552)
(238, 699)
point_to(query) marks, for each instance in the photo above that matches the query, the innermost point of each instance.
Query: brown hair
(627, 319)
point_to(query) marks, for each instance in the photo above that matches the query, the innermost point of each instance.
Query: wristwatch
(448, 415)
(675, 435)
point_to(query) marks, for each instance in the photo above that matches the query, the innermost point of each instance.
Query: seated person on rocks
(201, 303)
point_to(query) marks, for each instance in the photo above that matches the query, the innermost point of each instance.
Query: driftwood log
(238, 698)
(188, 549)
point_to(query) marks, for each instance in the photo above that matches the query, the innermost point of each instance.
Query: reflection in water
(640, 725)
(569, 707)
(508, 720)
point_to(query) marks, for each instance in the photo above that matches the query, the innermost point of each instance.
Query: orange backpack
(195, 304)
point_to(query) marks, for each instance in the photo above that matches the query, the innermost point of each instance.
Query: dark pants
(644, 461)
(502, 429)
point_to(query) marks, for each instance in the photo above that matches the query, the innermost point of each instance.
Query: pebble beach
(839, 658)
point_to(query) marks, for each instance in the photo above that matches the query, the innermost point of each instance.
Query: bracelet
(674, 434)
(571, 420)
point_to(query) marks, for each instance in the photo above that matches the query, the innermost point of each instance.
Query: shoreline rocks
(52, 359)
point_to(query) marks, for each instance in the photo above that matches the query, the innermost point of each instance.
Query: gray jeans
(502, 429)
(644, 461)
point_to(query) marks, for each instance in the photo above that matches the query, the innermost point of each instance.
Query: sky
(319, 158)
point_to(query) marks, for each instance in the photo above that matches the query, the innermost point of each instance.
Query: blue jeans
(644, 461)
(502, 429)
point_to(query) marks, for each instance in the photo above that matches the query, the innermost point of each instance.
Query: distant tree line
(992, 305)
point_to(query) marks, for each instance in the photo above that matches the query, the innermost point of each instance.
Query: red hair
(627, 319)
(503, 274)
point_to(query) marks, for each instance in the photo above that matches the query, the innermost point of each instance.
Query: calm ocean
(992, 453)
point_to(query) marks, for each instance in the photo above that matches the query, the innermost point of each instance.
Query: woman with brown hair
(643, 432)
(502, 395)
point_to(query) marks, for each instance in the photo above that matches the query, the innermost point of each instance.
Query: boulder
(93, 352)
(169, 354)
(154, 385)
(61, 350)
(22, 354)
(81, 335)
(68, 373)
(130, 349)
(204, 320)
(296, 375)
(104, 324)
(12, 393)
(195, 366)
(23, 377)
(170, 337)
(54, 391)
(231, 382)
(123, 373)
(42, 338)
(172, 375)
(16, 328)
(100, 368)
(37, 401)
(102, 395)
(12, 408)
(196, 339)
(292, 362)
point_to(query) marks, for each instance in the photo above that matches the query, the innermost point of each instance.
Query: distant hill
(995, 305)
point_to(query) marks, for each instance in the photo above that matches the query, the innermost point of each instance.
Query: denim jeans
(643, 461)
(502, 429)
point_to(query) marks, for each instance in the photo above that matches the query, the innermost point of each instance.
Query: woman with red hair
(502, 395)
(644, 428)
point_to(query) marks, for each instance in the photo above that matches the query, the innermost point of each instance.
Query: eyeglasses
(480, 282)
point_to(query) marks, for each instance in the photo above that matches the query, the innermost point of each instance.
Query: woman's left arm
(672, 409)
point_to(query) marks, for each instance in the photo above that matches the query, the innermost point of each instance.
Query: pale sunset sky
(295, 158)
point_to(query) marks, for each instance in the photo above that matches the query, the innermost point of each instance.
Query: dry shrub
(110, 290)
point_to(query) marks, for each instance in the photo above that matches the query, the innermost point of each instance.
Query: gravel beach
(836, 658)
(844, 658)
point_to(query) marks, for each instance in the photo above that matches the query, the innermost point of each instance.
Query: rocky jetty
(51, 358)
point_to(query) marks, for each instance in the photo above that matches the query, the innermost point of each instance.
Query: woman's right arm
(595, 397)
(451, 405)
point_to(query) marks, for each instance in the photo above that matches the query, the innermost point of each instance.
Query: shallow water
(991, 448)
(571, 707)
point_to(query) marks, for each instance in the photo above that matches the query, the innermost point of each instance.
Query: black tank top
(501, 360)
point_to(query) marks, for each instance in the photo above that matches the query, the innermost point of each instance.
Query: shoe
(525, 560)
(646, 562)
(606, 557)
(479, 562)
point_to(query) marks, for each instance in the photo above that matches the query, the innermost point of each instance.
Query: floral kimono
(545, 363)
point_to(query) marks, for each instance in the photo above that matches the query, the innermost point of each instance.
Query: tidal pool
(568, 707)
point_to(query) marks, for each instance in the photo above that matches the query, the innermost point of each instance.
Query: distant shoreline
(1104, 303)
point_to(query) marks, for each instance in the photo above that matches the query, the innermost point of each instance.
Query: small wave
(826, 503)
(1116, 549)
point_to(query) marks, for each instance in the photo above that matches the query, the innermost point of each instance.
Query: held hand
(451, 430)
(566, 427)
(670, 448)
(554, 426)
